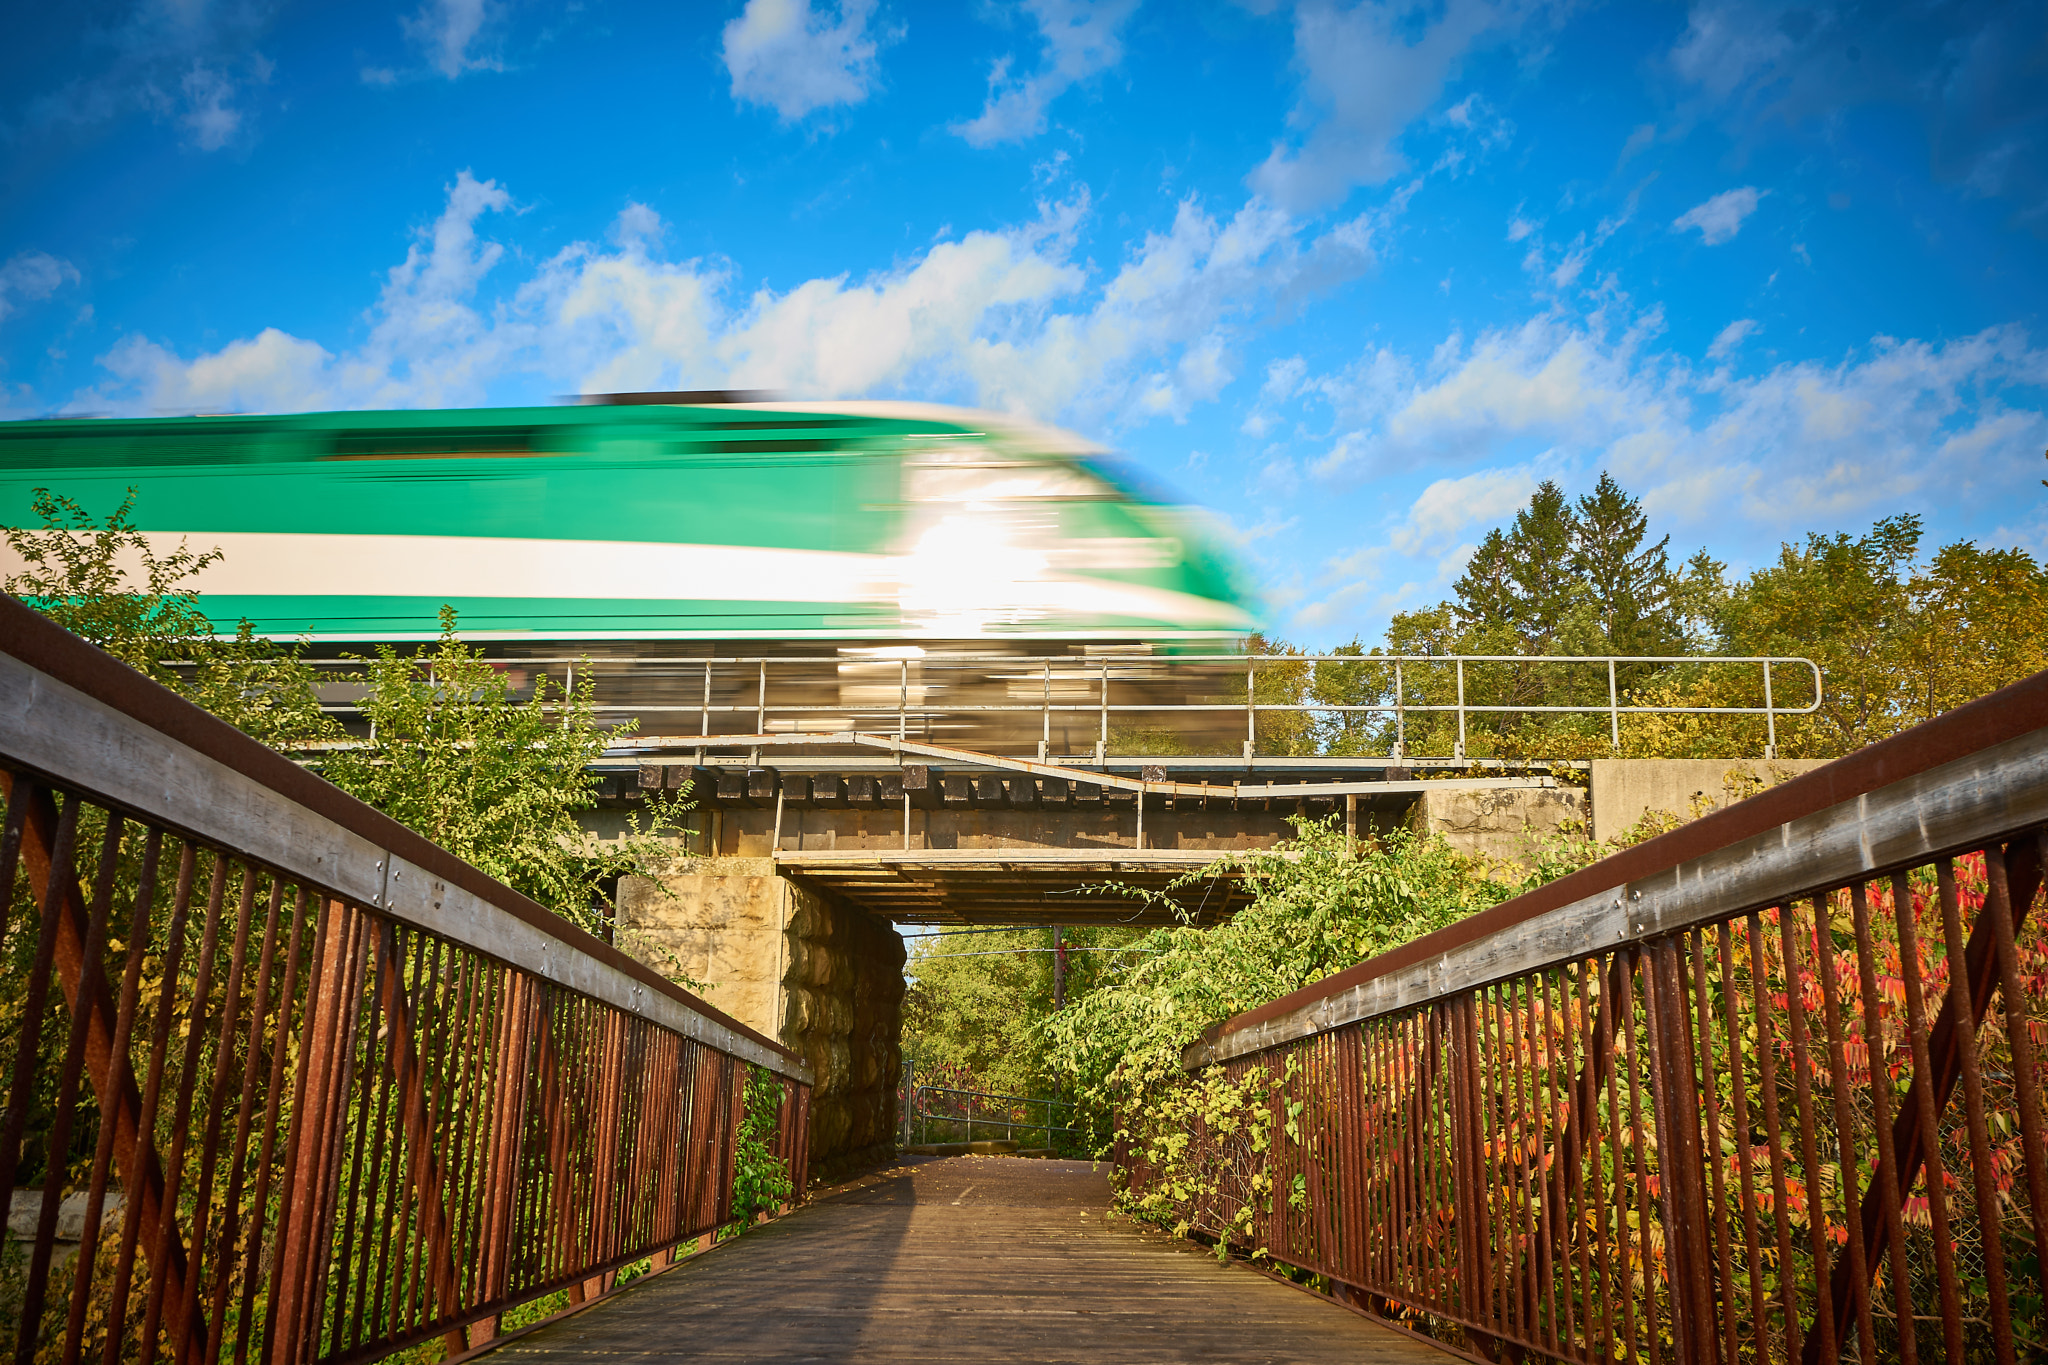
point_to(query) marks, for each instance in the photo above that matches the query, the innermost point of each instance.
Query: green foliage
(1900, 637)
(1314, 910)
(495, 781)
(105, 582)
(977, 1004)
(761, 1181)
(1205, 1143)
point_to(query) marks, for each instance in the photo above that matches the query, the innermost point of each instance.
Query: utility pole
(1059, 971)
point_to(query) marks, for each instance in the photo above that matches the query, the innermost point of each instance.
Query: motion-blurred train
(658, 518)
(894, 563)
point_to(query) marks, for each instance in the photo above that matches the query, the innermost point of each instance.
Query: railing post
(320, 1095)
(760, 712)
(1461, 710)
(1675, 1091)
(704, 712)
(48, 861)
(507, 1137)
(1400, 716)
(1613, 708)
(1102, 735)
(1045, 714)
(1467, 1129)
(1770, 716)
(1251, 709)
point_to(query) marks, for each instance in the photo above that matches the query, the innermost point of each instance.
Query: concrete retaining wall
(1625, 789)
(1506, 824)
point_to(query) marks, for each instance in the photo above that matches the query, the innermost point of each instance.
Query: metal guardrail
(1766, 1088)
(962, 1112)
(990, 698)
(286, 1082)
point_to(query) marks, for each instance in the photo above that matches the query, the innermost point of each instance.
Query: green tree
(76, 573)
(760, 1179)
(1846, 603)
(1316, 907)
(978, 1002)
(1627, 576)
(495, 781)
(1899, 639)
(1525, 583)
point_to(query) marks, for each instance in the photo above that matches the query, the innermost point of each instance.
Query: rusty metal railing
(1766, 1088)
(285, 1082)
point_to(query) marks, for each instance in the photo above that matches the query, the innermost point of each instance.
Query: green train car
(670, 519)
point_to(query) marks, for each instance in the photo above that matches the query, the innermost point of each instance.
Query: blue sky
(1354, 277)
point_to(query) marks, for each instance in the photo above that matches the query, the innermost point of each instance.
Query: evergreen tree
(1523, 581)
(1630, 582)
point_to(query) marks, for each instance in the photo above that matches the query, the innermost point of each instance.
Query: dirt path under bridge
(963, 1259)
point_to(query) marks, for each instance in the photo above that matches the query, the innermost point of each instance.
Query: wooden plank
(964, 1259)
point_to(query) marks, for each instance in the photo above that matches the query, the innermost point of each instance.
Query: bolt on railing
(1766, 1088)
(286, 1082)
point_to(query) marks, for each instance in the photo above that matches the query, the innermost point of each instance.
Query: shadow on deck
(969, 1259)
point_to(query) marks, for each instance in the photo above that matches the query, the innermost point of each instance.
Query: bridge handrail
(1664, 1056)
(913, 708)
(297, 1081)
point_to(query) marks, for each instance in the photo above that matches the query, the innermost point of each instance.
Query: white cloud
(1573, 264)
(1807, 445)
(1805, 442)
(1081, 37)
(1368, 72)
(33, 275)
(445, 30)
(1725, 46)
(1547, 377)
(243, 375)
(427, 345)
(1006, 318)
(783, 54)
(1720, 218)
(1448, 507)
(207, 118)
(1730, 337)
(183, 63)
(1416, 554)
(1638, 140)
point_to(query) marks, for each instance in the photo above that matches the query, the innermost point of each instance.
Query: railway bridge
(285, 1082)
(840, 797)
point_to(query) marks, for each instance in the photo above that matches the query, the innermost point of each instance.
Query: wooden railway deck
(963, 1259)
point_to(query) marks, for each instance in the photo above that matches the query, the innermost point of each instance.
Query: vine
(761, 1179)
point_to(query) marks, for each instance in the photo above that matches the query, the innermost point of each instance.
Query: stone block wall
(821, 977)
(842, 1010)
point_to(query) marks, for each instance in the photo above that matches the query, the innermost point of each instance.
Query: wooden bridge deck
(963, 1259)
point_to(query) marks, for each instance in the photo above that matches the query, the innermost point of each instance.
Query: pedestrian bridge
(284, 1082)
(964, 1259)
